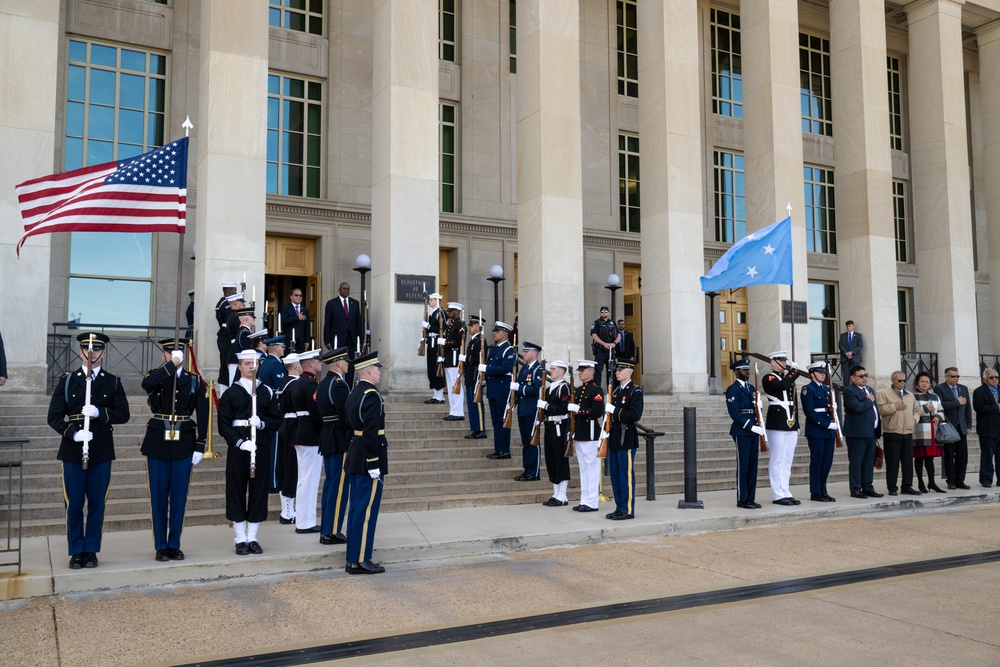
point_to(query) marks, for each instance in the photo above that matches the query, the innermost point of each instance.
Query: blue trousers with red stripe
(621, 465)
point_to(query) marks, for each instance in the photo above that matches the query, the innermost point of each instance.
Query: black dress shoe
(623, 517)
(242, 549)
(479, 435)
(497, 456)
(756, 506)
(861, 495)
(951, 487)
(892, 492)
(472, 436)
(254, 548)
(612, 515)
(745, 506)
(526, 478)
(366, 567)
(162, 555)
(587, 508)
(282, 520)
(431, 401)
(302, 531)
(453, 418)
(910, 491)
(783, 501)
(873, 494)
(175, 554)
(829, 498)
(332, 539)
(818, 497)
(76, 561)
(962, 485)
(576, 508)
(555, 502)
(795, 501)
(90, 559)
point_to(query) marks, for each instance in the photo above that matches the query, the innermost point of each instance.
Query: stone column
(939, 163)
(229, 140)
(772, 138)
(29, 31)
(672, 212)
(549, 181)
(405, 182)
(865, 232)
(988, 38)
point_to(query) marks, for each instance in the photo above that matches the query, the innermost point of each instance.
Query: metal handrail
(650, 435)
(912, 363)
(9, 466)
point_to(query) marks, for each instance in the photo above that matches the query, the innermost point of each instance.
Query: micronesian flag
(761, 258)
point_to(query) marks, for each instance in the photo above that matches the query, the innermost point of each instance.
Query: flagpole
(187, 125)
(791, 292)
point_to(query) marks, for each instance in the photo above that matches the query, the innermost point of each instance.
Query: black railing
(11, 457)
(988, 361)
(650, 435)
(912, 363)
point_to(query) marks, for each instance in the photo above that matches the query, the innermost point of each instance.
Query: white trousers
(310, 466)
(456, 402)
(779, 466)
(590, 471)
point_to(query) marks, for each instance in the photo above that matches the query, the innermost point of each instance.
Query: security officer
(272, 373)
(782, 424)
(473, 353)
(331, 397)
(821, 431)
(527, 390)
(434, 329)
(625, 408)
(308, 425)
(498, 369)
(604, 336)
(452, 350)
(87, 447)
(367, 464)
(288, 464)
(174, 442)
(588, 404)
(555, 408)
(741, 397)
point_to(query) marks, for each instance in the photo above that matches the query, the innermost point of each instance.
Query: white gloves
(83, 436)
(373, 473)
(425, 324)
(514, 386)
(759, 430)
(791, 364)
(481, 368)
(573, 407)
(178, 357)
(462, 357)
(610, 409)
(89, 411)
(255, 421)
(247, 446)
(440, 360)
(542, 405)
(832, 426)
(196, 458)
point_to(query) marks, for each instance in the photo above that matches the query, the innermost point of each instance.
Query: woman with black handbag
(925, 446)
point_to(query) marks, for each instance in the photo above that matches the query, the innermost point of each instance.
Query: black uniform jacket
(455, 334)
(557, 398)
(628, 410)
(473, 350)
(331, 397)
(107, 395)
(366, 416)
(235, 405)
(303, 402)
(590, 418)
(437, 324)
(192, 400)
(777, 418)
(285, 410)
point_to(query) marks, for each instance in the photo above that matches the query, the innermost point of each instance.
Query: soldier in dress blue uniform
(740, 399)
(625, 407)
(87, 480)
(527, 389)
(272, 373)
(331, 397)
(477, 418)
(555, 406)
(174, 443)
(820, 431)
(367, 464)
(498, 369)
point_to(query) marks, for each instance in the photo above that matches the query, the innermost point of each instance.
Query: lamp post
(364, 265)
(614, 284)
(496, 277)
(714, 388)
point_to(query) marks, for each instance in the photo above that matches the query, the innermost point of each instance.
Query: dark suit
(346, 328)
(189, 316)
(987, 409)
(860, 419)
(956, 455)
(740, 399)
(626, 346)
(855, 347)
(290, 322)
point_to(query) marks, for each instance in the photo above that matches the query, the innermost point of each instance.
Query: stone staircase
(431, 465)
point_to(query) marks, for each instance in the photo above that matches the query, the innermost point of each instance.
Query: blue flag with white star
(761, 258)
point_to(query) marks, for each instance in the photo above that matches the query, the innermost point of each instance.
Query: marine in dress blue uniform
(173, 444)
(331, 397)
(529, 384)
(108, 406)
(367, 464)
(498, 369)
(272, 374)
(820, 431)
(740, 399)
(477, 417)
(625, 406)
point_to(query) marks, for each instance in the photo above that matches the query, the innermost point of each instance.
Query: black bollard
(690, 501)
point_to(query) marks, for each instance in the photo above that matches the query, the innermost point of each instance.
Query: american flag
(147, 193)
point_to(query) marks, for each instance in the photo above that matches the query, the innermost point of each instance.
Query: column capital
(920, 8)
(988, 32)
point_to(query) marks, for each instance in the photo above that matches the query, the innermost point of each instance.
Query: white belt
(241, 422)
(819, 409)
(556, 419)
(303, 413)
(291, 415)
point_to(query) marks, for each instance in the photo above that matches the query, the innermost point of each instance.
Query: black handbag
(946, 434)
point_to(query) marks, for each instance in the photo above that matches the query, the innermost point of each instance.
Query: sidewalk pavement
(126, 558)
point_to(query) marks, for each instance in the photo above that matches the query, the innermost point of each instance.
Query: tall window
(628, 49)
(900, 221)
(730, 197)
(448, 158)
(821, 215)
(446, 30)
(822, 309)
(512, 36)
(628, 182)
(904, 299)
(814, 83)
(298, 15)
(895, 103)
(115, 109)
(727, 64)
(294, 135)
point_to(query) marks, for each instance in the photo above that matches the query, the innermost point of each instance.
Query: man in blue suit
(850, 345)
(861, 423)
(958, 410)
(820, 431)
(740, 399)
(498, 369)
(295, 321)
(527, 390)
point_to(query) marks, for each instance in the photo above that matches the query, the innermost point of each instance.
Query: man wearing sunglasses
(958, 410)
(861, 425)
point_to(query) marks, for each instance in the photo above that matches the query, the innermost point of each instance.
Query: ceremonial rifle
(536, 431)
(253, 413)
(831, 408)
(368, 324)
(457, 388)
(442, 328)
(423, 334)
(86, 401)
(480, 377)
(758, 415)
(570, 437)
(508, 415)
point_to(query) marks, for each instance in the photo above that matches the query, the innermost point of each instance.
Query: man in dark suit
(626, 343)
(986, 401)
(295, 321)
(851, 345)
(861, 424)
(189, 315)
(3, 364)
(343, 326)
(958, 410)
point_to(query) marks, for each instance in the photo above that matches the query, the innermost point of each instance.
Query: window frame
(724, 223)
(820, 239)
(448, 49)
(819, 120)
(281, 163)
(307, 13)
(447, 190)
(629, 213)
(901, 223)
(829, 322)
(731, 80)
(627, 47)
(894, 76)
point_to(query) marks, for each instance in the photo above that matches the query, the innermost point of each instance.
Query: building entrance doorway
(289, 263)
(734, 329)
(632, 293)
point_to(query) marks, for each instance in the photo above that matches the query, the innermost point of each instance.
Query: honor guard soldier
(367, 464)
(782, 424)
(498, 370)
(308, 424)
(527, 389)
(331, 396)
(625, 408)
(174, 442)
(588, 404)
(452, 350)
(555, 408)
(242, 427)
(189, 315)
(821, 431)
(741, 399)
(87, 447)
(245, 318)
(272, 373)
(473, 353)
(222, 316)
(434, 330)
(288, 463)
